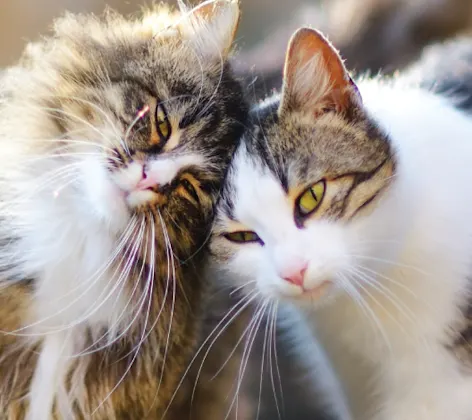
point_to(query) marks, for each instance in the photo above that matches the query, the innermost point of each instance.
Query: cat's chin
(136, 199)
(316, 297)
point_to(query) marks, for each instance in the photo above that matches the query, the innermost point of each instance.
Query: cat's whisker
(403, 309)
(227, 319)
(265, 347)
(251, 336)
(150, 286)
(385, 291)
(44, 181)
(351, 289)
(126, 243)
(218, 84)
(392, 281)
(200, 92)
(152, 270)
(130, 253)
(55, 111)
(62, 187)
(100, 110)
(205, 241)
(67, 154)
(373, 316)
(122, 240)
(361, 241)
(237, 289)
(55, 180)
(17, 332)
(174, 287)
(135, 310)
(124, 143)
(66, 140)
(147, 294)
(230, 355)
(130, 365)
(389, 262)
(273, 355)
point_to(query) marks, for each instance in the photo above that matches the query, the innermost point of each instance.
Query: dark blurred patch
(372, 35)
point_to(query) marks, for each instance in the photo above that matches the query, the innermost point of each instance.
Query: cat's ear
(211, 27)
(315, 79)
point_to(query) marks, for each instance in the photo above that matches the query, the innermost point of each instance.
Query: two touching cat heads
(293, 210)
(159, 146)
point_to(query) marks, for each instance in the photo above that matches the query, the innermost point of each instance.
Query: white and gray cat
(351, 206)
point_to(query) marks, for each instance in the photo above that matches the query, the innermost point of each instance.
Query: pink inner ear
(326, 85)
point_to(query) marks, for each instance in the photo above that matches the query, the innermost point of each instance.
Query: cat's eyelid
(231, 226)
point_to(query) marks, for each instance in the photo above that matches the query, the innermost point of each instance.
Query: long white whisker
(273, 353)
(174, 287)
(258, 317)
(232, 314)
(353, 292)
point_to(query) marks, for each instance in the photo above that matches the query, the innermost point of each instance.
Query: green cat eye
(242, 237)
(163, 126)
(311, 198)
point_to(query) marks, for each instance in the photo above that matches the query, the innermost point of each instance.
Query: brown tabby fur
(112, 64)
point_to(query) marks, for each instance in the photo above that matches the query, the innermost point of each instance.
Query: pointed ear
(315, 79)
(211, 26)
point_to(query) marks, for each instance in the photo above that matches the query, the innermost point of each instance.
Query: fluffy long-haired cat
(115, 136)
(352, 207)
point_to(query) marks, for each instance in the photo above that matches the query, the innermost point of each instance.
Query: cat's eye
(311, 198)
(242, 237)
(163, 127)
(190, 189)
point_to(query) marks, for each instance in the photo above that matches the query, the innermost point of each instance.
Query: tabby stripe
(368, 201)
(359, 178)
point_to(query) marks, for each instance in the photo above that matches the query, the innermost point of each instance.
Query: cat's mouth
(143, 197)
(317, 292)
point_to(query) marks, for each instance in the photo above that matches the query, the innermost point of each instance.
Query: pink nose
(295, 274)
(146, 181)
(145, 184)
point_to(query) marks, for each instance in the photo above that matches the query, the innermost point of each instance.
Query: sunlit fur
(101, 289)
(394, 316)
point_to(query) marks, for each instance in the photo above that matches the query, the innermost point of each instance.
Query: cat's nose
(295, 273)
(147, 181)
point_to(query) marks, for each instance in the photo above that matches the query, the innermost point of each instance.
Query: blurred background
(372, 35)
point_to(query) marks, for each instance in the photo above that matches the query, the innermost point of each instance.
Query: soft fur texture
(380, 270)
(115, 135)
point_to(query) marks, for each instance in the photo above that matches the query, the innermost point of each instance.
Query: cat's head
(141, 114)
(299, 208)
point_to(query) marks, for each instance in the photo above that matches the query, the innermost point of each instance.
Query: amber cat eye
(242, 237)
(310, 199)
(163, 126)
